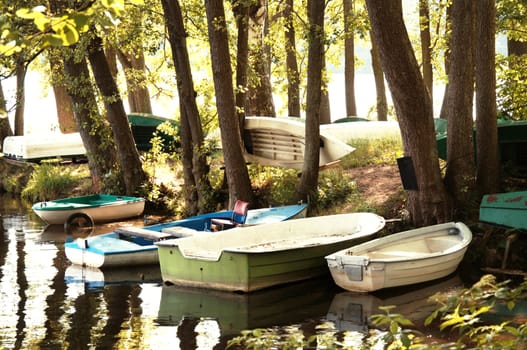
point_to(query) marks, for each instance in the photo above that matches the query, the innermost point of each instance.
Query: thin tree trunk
(5, 126)
(129, 161)
(242, 58)
(380, 88)
(293, 76)
(63, 103)
(426, 57)
(134, 72)
(309, 179)
(460, 173)
(349, 58)
(189, 112)
(488, 171)
(95, 133)
(235, 169)
(20, 96)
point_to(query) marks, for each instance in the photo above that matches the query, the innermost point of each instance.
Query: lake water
(46, 303)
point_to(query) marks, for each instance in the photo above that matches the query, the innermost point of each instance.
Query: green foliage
(276, 184)
(49, 182)
(464, 312)
(334, 186)
(371, 152)
(511, 90)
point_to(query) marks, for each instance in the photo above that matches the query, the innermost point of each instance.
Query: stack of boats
(278, 246)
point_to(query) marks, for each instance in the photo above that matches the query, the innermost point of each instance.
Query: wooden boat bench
(143, 233)
(180, 231)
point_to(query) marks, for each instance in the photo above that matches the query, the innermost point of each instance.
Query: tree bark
(349, 59)
(94, 130)
(259, 95)
(235, 170)
(5, 126)
(426, 56)
(487, 169)
(241, 11)
(20, 96)
(309, 179)
(129, 161)
(189, 112)
(293, 76)
(63, 104)
(429, 203)
(380, 88)
(460, 172)
(134, 72)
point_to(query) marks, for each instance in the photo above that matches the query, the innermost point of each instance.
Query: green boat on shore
(505, 209)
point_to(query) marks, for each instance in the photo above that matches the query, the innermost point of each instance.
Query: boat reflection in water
(93, 278)
(233, 312)
(351, 311)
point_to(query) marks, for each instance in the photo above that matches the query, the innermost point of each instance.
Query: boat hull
(137, 247)
(401, 259)
(100, 208)
(107, 251)
(505, 209)
(263, 256)
(280, 142)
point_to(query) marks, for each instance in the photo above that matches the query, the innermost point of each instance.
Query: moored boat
(400, 259)
(261, 256)
(95, 208)
(130, 246)
(506, 209)
(280, 142)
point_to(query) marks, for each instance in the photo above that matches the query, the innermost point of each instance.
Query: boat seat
(142, 232)
(239, 215)
(180, 231)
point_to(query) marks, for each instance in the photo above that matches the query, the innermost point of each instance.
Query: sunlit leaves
(62, 29)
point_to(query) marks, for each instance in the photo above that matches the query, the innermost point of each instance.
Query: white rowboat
(403, 258)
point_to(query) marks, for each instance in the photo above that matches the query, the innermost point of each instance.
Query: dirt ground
(377, 183)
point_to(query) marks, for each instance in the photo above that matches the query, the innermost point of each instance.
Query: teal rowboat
(507, 209)
(94, 208)
(257, 257)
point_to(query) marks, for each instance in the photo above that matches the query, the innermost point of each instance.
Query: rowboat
(280, 142)
(38, 147)
(132, 246)
(145, 126)
(235, 312)
(93, 208)
(512, 143)
(506, 209)
(261, 256)
(400, 259)
(352, 131)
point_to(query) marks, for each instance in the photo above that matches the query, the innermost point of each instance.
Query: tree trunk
(380, 89)
(309, 179)
(129, 161)
(426, 57)
(325, 110)
(488, 171)
(349, 58)
(134, 72)
(428, 204)
(20, 95)
(241, 10)
(293, 76)
(189, 111)
(460, 172)
(5, 127)
(94, 130)
(235, 169)
(65, 115)
(259, 95)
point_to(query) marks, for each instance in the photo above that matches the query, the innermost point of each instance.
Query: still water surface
(47, 303)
